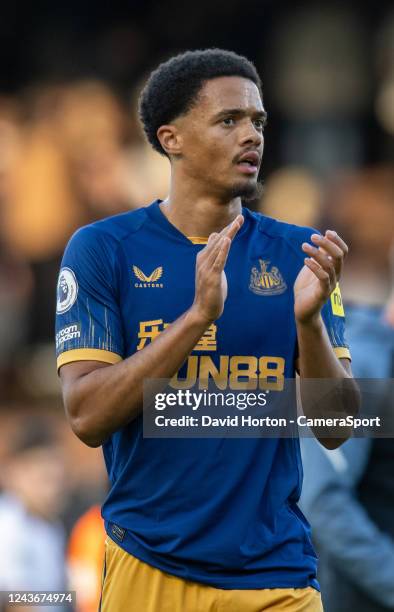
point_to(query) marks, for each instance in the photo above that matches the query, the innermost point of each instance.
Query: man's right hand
(100, 398)
(211, 282)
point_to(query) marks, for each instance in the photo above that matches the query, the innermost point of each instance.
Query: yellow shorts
(130, 585)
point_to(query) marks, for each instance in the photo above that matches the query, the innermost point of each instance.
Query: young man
(199, 524)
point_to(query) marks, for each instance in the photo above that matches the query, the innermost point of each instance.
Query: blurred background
(72, 151)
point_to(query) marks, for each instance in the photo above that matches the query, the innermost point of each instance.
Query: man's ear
(170, 139)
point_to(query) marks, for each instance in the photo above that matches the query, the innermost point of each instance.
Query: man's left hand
(319, 276)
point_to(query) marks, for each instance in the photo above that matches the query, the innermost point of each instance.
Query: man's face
(222, 137)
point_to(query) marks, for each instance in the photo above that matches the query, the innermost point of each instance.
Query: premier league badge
(67, 290)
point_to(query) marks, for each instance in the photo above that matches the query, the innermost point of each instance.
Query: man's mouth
(249, 162)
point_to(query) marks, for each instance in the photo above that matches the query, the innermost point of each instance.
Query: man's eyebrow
(241, 112)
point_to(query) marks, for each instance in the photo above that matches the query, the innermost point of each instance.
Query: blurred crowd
(73, 152)
(69, 155)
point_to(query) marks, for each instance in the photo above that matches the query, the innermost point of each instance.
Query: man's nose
(251, 135)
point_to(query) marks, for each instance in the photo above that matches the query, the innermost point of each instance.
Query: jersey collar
(155, 213)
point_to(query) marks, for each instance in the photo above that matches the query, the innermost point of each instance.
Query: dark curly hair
(173, 87)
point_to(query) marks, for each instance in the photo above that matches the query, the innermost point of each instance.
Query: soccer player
(200, 283)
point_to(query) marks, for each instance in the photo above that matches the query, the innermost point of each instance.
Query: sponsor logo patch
(148, 281)
(71, 332)
(265, 281)
(336, 302)
(67, 290)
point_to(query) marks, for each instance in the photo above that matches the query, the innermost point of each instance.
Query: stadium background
(71, 151)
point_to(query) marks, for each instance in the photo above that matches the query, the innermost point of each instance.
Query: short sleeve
(88, 321)
(333, 314)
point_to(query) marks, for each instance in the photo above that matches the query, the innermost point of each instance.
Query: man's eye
(259, 124)
(228, 121)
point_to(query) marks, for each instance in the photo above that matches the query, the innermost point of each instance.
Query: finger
(319, 272)
(228, 232)
(332, 250)
(231, 230)
(213, 240)
(209, 252)
(221, 258)
(330, 247)
(326, 261)
(323, 260)
(212, 255)
(334, 237)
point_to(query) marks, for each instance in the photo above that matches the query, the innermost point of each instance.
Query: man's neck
(196, 214)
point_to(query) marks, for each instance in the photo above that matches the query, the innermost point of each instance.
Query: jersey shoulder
(115, 228)
(292, 235)
(101, 241)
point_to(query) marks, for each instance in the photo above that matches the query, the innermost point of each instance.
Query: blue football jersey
(218, 511)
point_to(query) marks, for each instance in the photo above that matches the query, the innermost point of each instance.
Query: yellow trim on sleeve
(342, 352)
(87, 354)
(198, 239)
